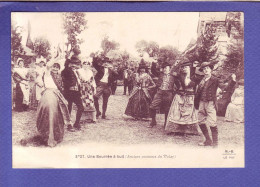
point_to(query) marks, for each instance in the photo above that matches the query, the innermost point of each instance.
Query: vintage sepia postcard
(127, 89)
(129, 93)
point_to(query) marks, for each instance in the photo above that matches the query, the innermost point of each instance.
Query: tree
(206, 47)
(151, 48)
(73, 23)
(234, 62)
(42, 47)
(168, 54)
(108, 45)
(141, 47)
(235, 27)
(125, 58)
(115, 56)
(119, 58)
(16, 39)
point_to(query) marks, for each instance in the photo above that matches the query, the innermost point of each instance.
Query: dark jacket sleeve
(154, 70)
(65, 78)
(115, 75)
(230, 85)
(96, 65)
(197, 78)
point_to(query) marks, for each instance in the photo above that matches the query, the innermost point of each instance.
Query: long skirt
(22, 97)
(87, 96)
(182, 116)
(138, 105)
(52, 114)
(235, 113)
(33, 100)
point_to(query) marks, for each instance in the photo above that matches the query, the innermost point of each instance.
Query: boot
(205, 132)
(214, 131)
(153, 116)
(98, 113)
(104, 108)
(104, 111)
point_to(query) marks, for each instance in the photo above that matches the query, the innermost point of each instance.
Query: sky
(126, 28)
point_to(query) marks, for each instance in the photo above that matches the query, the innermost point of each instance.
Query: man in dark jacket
(163, 98)
(104, 78)
(72, 88)
(127, 81)
(205, 101)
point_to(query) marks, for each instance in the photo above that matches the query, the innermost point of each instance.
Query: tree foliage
(141, 47)
(73, 23)
(234, 62)
(16, 45)
(235, 27)
(235, 58)
(125, 58)
(206, 48)
(108, 45)
(42, 47)
(151, 48)
(168, 54)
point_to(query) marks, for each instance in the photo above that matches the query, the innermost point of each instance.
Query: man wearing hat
(205, 102)
(105, 76)
(72, 88)
(127, 81)
(163, 97)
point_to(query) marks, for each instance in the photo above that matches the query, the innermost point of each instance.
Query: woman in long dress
(52, 111)
(183, 117)
(140, 99)
(88, 90)
(21, 78)
(235, 109)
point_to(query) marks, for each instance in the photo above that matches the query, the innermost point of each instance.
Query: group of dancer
(185, 93)
(75, 84)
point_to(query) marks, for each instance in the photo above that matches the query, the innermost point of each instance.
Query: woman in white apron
(88, 90)
(21, 78)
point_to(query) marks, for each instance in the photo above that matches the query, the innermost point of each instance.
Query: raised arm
(95, 64)
(196, 78)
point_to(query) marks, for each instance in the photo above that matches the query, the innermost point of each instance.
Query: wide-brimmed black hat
(165, 64)
(186, 63)
(205, 64)
(142, 65)
(106, 60)
(75, 60)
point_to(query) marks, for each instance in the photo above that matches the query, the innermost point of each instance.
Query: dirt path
(119, 129)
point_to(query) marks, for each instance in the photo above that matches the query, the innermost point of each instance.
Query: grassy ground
(119, 129)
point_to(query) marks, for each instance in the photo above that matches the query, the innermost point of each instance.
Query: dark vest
(69, 79)
(210, 92)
